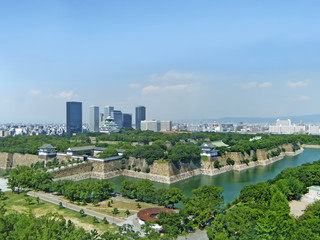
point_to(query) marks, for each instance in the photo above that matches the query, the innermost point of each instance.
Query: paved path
(197, 235)
(56, 200)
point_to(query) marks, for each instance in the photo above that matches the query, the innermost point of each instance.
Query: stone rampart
(75, 170)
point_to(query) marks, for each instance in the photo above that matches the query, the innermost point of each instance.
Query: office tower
(74, 117)
(94, 119)
(127, 120)
(108, 111)
(140, 116)
(117, 116)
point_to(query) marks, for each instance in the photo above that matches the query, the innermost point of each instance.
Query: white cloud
(297, 84)
(33, 92)
(254, 85)
(248, 85)
(265, 84)
(169, 88)
(67, 95)
(172, 76)
(303, 98)
(134, 85)
(150, 89)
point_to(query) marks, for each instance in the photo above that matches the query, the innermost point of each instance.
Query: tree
(217, 164)
(230, 161)
(204, 205)
(110, 151)
(82, 213)
(127, 213)
(170, 222)
(115, 211)
(258, 193)
(172, 196)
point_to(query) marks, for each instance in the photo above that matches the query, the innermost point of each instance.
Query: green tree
(172, 196)
(204, 205)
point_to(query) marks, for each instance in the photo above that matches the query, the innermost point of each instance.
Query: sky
(180, 59)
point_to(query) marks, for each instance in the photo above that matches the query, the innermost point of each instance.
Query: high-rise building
(94, 119)
(127, 120)
(74, 117)
(117, 116)
(140, 116)
(108, 111)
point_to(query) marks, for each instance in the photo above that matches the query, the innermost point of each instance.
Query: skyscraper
(127, 120)
(108, 111)
(94, 119)
(140, 116)
(117, 116)
(74, 117)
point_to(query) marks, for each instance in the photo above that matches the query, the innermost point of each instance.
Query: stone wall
(12, 160)
(5, 160)
(71, 171)
(25, 159)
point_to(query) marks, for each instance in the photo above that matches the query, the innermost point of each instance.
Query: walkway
(56, 200)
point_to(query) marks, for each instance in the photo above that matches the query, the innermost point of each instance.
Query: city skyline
(182, 60)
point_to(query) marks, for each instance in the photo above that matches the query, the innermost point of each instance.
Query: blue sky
(180, 59)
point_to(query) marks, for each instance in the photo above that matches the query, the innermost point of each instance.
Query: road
(56, 200)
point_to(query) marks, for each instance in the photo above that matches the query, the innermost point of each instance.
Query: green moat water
(232, 182)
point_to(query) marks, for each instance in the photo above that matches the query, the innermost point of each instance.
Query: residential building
(140, 116)
(94, 119)
(74, 117)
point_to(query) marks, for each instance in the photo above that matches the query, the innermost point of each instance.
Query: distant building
(118, 118)
(127, 120)
(101, 119)
(140, 116)
(108, 111)
(313, 130)
(152, 125)
(94, 119)
(165, 126)
(285, 127)
(74, 117)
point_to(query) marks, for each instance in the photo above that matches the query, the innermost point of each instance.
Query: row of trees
(238, 142)
(31, 144)
(143, 190)
(39, 179)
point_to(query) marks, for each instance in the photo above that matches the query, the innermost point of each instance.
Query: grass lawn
(17, 202)
(122, 206)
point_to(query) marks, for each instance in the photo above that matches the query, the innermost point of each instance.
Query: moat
(232, 182)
